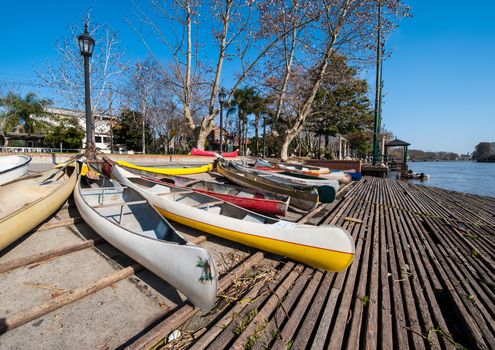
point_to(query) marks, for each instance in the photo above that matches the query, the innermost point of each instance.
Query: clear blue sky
(439, 81)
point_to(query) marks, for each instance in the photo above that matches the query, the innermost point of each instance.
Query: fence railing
(40, 150)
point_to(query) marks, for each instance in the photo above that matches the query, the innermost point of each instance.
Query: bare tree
(242, 36)
(67, 77)
(343, 26)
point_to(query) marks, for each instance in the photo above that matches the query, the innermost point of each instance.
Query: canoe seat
(99, 190)
(116, 204)
(252, 218)
(184, 192)
(244, 194)
(207, 204)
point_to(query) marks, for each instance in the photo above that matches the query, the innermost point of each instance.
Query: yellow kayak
(168, 171)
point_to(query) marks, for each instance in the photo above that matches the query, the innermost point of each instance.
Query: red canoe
(198, 152)
(261, 202)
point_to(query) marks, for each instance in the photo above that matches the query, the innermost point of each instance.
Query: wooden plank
(283, 311)
(438, 256)
(170, 323)
(61, 223)
(207, 337)
(261, 317)
(229, 333)
(37, 258)
(307, 326)
(208, 204)
(23, 317)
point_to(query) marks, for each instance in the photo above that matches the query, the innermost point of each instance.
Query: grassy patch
(246, 320)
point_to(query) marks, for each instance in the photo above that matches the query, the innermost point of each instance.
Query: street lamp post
(264, 135)
(221, 98)
(86, 46)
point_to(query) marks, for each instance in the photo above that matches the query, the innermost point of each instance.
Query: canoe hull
(304, 200)
(327, 247)
(20, 165)
(182, 266)
(325, 259)
(22, 221)
(262, 206)
(168, 171)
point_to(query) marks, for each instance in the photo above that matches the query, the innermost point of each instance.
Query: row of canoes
(122, 210)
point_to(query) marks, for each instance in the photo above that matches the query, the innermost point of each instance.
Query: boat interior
(32, 187)
(9, 162)
(125, 207)
(201, 201)
(220, 188)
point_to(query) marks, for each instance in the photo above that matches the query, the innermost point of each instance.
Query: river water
(470, 177)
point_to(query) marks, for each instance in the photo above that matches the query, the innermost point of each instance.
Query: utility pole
(378, 92)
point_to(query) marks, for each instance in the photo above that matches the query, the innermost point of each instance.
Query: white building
(102, 131)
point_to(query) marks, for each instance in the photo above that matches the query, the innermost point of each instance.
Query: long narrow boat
(282, 168)
(301, 197)
(198, 152)
(27, 202)
(307, 168)
(327, 189)
(124, 218)
(262, 202)
(301, 179)
(330, 248)
(13, 167)
(169, 171)
(259, 201)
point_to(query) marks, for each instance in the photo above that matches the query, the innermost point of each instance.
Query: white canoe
(293, 178)
(128, 222)
(13, 167)
(339, 176)
(327, 247)
(27, 202)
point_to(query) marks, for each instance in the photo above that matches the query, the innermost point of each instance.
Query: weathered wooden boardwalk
(423, 277)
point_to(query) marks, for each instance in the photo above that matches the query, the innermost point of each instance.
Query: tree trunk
(202, 139)
(284, 143)
(5, 140)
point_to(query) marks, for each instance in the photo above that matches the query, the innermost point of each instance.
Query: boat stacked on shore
(128, 205)
(125, 218)
(330, 248)
(28, 201)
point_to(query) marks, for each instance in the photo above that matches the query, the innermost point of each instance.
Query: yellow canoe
(168, 171)
(27, 202)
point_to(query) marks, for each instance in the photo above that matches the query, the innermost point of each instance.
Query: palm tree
(28, 112)
(259, 105)
(231, 109)
(245, 100)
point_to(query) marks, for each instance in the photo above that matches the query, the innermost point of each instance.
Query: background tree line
(484, 152)
(287, 61)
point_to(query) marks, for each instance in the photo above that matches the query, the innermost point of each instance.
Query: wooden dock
(423, 277)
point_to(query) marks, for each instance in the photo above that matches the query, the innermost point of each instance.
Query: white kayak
(128, 222)
(328, 247)
(13, 167)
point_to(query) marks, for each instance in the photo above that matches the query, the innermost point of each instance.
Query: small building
(102, 127)
(398, 164)
(213, 139)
